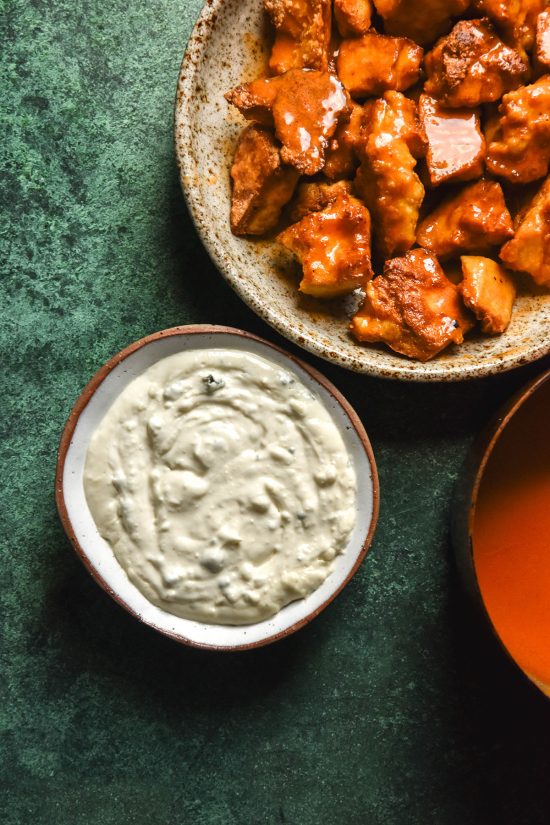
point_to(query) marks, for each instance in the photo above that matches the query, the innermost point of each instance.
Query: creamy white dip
(222, 485)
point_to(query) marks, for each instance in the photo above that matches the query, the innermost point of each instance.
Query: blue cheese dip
(222, 485)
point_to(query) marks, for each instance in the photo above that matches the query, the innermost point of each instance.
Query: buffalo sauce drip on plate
(511, 537)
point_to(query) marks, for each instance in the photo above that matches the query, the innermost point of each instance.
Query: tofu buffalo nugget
(352, 16)
(262, 184)
(489, 291)
(456, 146)
(255, 100)
(341, 157)
(304, 106)
(333, 246)
(372, 64)
(413, 308)
(542, 51)
(386, 179)
(472, 65)
(315, 196)
(516, 19)
(471, 220)
(519, 147)
(422, 21)
(302, 34)
(529, 249)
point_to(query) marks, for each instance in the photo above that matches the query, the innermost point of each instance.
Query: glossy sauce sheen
(223, 486)
(321, 119)
(511, 537)
(545, 44)
(455, 143)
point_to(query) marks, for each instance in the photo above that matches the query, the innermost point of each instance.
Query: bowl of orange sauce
(502, 528)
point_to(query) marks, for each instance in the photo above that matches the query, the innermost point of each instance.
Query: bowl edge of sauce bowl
(209, 329)
(464, 509)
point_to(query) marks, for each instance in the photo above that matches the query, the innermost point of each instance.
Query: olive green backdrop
(386, 710)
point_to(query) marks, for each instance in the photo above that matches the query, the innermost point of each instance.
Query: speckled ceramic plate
(96, 399)
(226, 48)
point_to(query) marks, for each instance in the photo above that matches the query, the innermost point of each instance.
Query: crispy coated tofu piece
(542, 51)
(352, 16)
(520, 146)
(255, 100)
(473, 220)
(313, 197)
(304, 106)
(341, 159)
(516, 19)
(456, 146)
(529, 249)
(472, 65)
(333, 246)
(302, 34)
(412, 307)
(489, 291)
(421, 21)
(386, 179)
(371, 64)
(262, 184)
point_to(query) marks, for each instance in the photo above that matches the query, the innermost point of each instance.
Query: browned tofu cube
(489, 291)
(341, 158)
(262, 184)
(333, 247)
(386, 179)
(313, 197)
(304, 106)
(516, 19)
(412, 307)
(421, 21)
(519, 149)
(542, 52)
(528, 18)
(529, 249)
(352, 16)
(473, 220)
(456, 146)
(472, 65)
(371, 64)
(302, 34)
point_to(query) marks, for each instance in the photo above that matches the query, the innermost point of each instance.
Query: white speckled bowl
(98, 396)
(228, 47)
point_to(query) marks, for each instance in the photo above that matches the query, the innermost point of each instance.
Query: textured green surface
(388, 708)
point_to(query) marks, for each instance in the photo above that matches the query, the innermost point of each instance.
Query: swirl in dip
(222, 485)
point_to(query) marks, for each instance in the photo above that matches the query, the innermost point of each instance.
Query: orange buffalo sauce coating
(511, 537)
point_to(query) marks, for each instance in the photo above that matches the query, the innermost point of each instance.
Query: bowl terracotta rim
(467, 498)
(496, 427)
(403, 369)
(80, 406)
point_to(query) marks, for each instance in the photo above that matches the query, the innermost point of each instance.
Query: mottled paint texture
(389, 709)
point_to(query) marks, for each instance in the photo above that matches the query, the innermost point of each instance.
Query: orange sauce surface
(511, 537)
